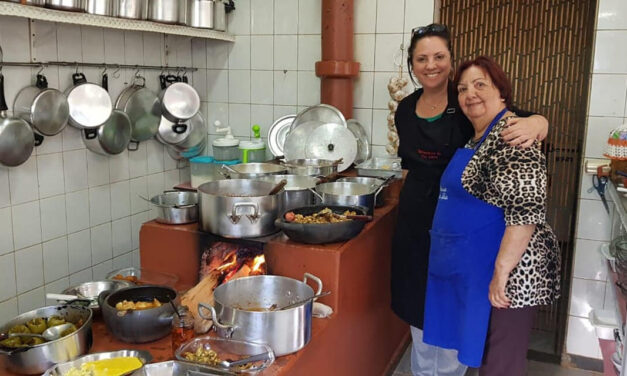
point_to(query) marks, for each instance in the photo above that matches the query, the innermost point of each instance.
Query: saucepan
(374, 183)
(17, 139)
(347, 194)
(175, 207)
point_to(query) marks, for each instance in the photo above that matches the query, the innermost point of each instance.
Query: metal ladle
(50, 334)
(241, 362)
(296, 304)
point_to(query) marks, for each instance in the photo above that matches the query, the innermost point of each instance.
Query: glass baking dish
(229, 350)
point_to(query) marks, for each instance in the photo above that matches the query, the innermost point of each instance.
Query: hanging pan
(143, 108)
(17, 139)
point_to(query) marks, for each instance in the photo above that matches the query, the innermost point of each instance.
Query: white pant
(428, 360)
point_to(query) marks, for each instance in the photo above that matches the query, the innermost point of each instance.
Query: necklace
(432, 106)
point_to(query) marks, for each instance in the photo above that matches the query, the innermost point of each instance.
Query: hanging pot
(132, 9)
(46, 109)
(72, 5)
(179, 100)
(17, 139)
(142, 107)
(100, 7)
(90, 104)
(184, 135)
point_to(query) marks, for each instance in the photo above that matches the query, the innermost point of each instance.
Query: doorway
(546, 48)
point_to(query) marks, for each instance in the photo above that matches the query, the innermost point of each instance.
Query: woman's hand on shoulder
(525, 131)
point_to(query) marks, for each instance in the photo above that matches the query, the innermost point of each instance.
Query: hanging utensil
(143, 108)
(277, 188)
(17, 139)
(90, 104)
(599, 183)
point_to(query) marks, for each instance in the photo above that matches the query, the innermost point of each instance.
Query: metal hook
(116, 73)
(137, 73)
(1, 58)
(41, 68)
(76, 67)
(184, 72)
(104, 71)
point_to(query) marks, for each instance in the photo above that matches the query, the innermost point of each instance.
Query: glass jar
(182, 327)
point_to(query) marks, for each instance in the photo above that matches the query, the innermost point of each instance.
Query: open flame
(258, 262)
(229, 261)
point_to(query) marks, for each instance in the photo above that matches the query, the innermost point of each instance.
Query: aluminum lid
(172, 133)
(181, 100)
(90, 105)
(363, 144)
(332, 141)
(278, 132)
(321, 112)
(296, 140)
(115, 134)
(52, 114)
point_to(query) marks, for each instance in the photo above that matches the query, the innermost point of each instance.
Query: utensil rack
(94, 65)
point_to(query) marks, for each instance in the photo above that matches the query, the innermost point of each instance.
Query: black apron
(425, 148)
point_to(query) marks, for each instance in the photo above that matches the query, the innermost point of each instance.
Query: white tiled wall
(68, 215)
(590, 286)
(270, 69)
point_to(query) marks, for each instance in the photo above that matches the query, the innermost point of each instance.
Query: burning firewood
(202, 292)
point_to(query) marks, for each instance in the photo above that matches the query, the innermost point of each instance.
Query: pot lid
(90, 105)
(115, 134)
(363, 145)
(52, 112)
(16, 141)
(296, 140)
(277, 133)
(173, 133)
(181, 100)
(144, 110)
(321, 112)
(332, 141)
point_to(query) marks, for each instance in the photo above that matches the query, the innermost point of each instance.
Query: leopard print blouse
(514, 179)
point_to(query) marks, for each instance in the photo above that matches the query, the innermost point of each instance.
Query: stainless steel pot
(17, 139)
(347, 194)
(296, 192)
(143, 108)
(90, 104)
(219, 15)
(36, 359)
(252, 170)
(165, 11)
(238, 208)
(176, 207)
(110, 138)
(374, 183)
(100, 7)
(133, 9)
(311, 167)
(138, 326)
(46, 109)
(199, 13)
(183, 135)
(179, 102)
(72, 5)
(91, 290)
(234, 315)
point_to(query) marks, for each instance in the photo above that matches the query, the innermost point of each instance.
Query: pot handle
(79, 78)
(91, 133)
(166, 318)
(316, 194)
(42, 82)
(235, 217)
(214, 317)
(39, 139)
(179, 128)
(133, 145)
(307, 276)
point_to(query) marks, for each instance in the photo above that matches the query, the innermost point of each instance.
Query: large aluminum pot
(143, 108)
(100, 7)
(138, 326)
(112, 137)
(238, 208)
(165, 11)
(73, 5)
(296, 192)
(37, 359)
(199, 13)
(252, 170)
(374, 183)
(133, 9)
(46, 109)
(176, 207)
(219, 15)
(90, 104)
(311, 167)
(347, 194)
(240, 311)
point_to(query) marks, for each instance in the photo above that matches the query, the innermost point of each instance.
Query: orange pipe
(337, 69)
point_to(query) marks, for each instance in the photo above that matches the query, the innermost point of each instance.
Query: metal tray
(63, 368)
(178, 368)
(382, 167)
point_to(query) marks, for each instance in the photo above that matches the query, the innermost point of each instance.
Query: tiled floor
(535, 369)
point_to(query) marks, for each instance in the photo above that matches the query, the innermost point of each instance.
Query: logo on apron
(443, 194)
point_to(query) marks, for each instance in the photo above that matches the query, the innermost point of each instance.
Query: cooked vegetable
(19, 329)
(126, 305)
(55, 320)
(325, 215)
(33, 341)
(11, 342)
(68, 331)
(37, 325)
(205, 356)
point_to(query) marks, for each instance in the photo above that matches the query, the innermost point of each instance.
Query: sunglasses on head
(432, 28)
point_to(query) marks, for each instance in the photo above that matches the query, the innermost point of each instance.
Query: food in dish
(107, 367)
(204, 356)
(325, 215)
(129, 278)
(36, 326)
(126, 305)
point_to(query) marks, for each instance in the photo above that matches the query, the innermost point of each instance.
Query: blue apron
(465, 239)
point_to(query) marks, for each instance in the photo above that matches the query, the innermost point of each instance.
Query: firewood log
(202, 292)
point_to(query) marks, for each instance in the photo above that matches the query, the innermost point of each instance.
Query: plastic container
(205, 169)
(255, 149)
(225, 148)
(604, 322)
(228, 349)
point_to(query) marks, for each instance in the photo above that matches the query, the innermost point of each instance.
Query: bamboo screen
(546, 48)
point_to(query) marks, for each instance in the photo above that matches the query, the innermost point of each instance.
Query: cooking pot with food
(238, 208)
(138, 314)
(243, 311)
(37, 359)
(373, 183)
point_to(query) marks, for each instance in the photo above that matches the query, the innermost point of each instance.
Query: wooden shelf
(52, 15)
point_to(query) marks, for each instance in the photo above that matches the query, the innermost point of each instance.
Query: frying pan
(17, 138)
(321, 233)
